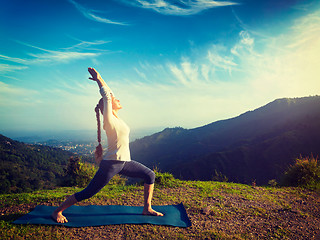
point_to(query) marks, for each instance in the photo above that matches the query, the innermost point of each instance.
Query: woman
(116, 160)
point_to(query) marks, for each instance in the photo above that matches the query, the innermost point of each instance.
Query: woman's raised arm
(106, 94)
(95, 76)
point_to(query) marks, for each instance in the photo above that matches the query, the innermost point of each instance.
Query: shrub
(304, 173)
(118, 180)
(272, 182)
(78, 173)
(219, 177)
(165, 179)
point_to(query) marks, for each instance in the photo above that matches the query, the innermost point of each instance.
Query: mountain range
(256, 146)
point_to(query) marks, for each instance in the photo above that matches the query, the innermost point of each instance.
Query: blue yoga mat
(94, 215)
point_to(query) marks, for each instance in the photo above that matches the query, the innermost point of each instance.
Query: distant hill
(25, 167)
(256, 146)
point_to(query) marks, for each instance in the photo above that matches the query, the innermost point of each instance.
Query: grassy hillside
(217, 211)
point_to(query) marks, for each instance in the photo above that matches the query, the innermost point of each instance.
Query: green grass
(218, 210)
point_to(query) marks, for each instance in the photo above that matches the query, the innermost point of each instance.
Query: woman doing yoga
(117, 159)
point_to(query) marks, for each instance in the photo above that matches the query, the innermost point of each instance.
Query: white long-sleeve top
(116, 129)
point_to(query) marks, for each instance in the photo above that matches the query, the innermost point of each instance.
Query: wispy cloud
(245, 43)
(50, 57)
(88, 13)
(78, 51)
(86, 45)
(220, 61)
(4, 68)
(206, 70)
(57, 56)
(190, 70)
(179, 74)
(309, 26)
(13, 59)
(188, 73)
(180, 7)
(141, 74)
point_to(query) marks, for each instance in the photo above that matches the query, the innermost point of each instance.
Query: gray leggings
(109, 168)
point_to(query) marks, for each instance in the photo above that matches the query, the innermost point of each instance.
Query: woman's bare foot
(151, 212)
(58, 217)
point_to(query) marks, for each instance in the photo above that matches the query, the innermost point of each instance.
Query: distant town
(81, 142)
(78, 147)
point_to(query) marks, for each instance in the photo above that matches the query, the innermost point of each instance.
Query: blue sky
(170, 62)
